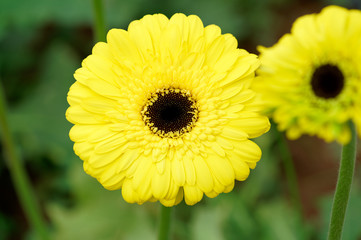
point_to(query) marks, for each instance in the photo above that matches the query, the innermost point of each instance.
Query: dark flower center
(327, 81)
(170, 112)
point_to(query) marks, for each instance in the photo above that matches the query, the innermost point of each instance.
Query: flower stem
(99, 25)
(343, 187)
(290, 173)
(19, 177)
(164, 223)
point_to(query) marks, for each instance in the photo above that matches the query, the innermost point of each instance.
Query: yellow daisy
(165, 110)
(311, 79)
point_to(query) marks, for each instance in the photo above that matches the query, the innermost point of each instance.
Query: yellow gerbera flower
(165, 110)
(311, 79)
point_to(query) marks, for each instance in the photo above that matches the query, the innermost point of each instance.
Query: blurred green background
(42, 42)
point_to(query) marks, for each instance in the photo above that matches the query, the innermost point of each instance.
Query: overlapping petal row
(115, 82)
(330, 38)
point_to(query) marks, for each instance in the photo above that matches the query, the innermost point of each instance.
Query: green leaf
(99, 213)
(279, 221)
(352, 225)
(39, 120)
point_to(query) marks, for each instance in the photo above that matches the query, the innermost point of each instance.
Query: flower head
(165, 110)
(311, 79)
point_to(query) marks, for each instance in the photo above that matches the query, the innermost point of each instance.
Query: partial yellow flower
(165, 110)
(311, 79)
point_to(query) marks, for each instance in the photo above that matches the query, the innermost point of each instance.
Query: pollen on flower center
(327, 81)
(170, 112)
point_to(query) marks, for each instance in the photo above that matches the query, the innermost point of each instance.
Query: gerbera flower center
(170, 112)
(327, 81)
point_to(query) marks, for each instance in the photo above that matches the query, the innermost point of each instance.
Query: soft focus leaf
(352, 225)
(40, 120)
(279, 221)
(99, 213)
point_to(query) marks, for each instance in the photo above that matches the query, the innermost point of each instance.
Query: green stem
(343, 187)
(164, 223)
(19, 177)
(99, 25)
(290, 173)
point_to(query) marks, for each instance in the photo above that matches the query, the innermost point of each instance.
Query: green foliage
(352, 227)
(39, 121)
(24, 14)
(99, 214)
(5, 225)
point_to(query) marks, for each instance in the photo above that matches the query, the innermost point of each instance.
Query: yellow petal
(189, 170)
(192, 194)
(220, 169)
(203, 174)
(160, 183)
(241, 168)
